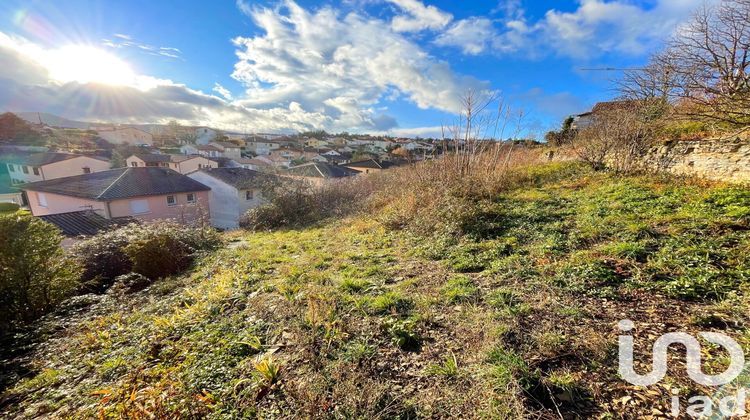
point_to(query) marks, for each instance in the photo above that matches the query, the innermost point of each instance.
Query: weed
(458, 289)
(448, 367)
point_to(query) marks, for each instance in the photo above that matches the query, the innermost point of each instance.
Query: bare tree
(617, 137)
(705, 69)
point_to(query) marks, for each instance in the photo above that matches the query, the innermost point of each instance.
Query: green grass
(515, 318)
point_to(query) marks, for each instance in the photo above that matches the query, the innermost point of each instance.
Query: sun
(86, 64)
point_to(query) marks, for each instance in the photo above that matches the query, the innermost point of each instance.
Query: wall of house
(227, 203)
(134, 161)
(192, 165)
(718, 159)
(73, 167)
(62, 204)
(158, 209)
(17, 175)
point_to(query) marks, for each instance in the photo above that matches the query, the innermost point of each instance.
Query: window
(191, 198)
(87, 170)
(12, 168)
(134, 164)
(171, 201)
(25, 169)
(42, 199)
(139, 206)
(36, 171)
(249, 195)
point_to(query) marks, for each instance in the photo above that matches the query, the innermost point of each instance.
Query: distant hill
(52, 120)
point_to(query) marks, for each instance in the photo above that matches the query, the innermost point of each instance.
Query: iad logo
(730, 405)
(693, 348)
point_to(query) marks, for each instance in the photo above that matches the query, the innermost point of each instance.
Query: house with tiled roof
(50, 165)
(234, 191)
(183, 164)
(369, 166)
(319, 173)
(146, 194)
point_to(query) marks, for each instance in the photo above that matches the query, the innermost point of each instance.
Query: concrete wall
(227, 203)
(718, 159)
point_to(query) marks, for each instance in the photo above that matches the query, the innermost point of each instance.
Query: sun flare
(85, 64)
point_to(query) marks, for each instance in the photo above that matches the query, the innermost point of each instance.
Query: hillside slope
(350, 319)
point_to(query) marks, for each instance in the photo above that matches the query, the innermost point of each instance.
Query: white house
(228, 149)
(183, 164)
(234, 191)
(261, 148)
(204, 135)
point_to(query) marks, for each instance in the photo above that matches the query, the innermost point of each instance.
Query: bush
(296, 204)
(35, 273)
(154, 250)
(103, 258)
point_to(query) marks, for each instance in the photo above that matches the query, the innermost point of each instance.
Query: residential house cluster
(215, 181)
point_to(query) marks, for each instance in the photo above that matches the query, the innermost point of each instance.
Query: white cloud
(221, 90)
(473, 35)
(340, 66)
(306, 70)
(594, 28)
(420, 17)
(126, 41)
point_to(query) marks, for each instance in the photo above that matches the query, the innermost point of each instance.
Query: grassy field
(517, 318)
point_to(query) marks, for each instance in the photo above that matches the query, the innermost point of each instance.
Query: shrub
(154, 250)
(103, 258)
(295, 203)
(35, 273)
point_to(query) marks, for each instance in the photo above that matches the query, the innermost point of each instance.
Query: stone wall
(718, 159)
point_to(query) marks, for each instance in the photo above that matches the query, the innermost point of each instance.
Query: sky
(397, 67)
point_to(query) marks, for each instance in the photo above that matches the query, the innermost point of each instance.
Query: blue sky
(394, 66)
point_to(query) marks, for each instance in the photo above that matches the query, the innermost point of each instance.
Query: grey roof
(321, 170)
(41, 159)
(370, 163)
(119, 183)
(239, 178)
(154, 157)
(79, 223)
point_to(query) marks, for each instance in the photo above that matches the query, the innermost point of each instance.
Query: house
(317, 143)
(228, 149)
(369, 166)
(204, 135)
(234, 191)
(319, 173)
(261, 148)
(581, 121)
(256, 163)
(45, 166)
(206, 150)
(339, 159)
(146, 194)
(183, 164)
(126, 135)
